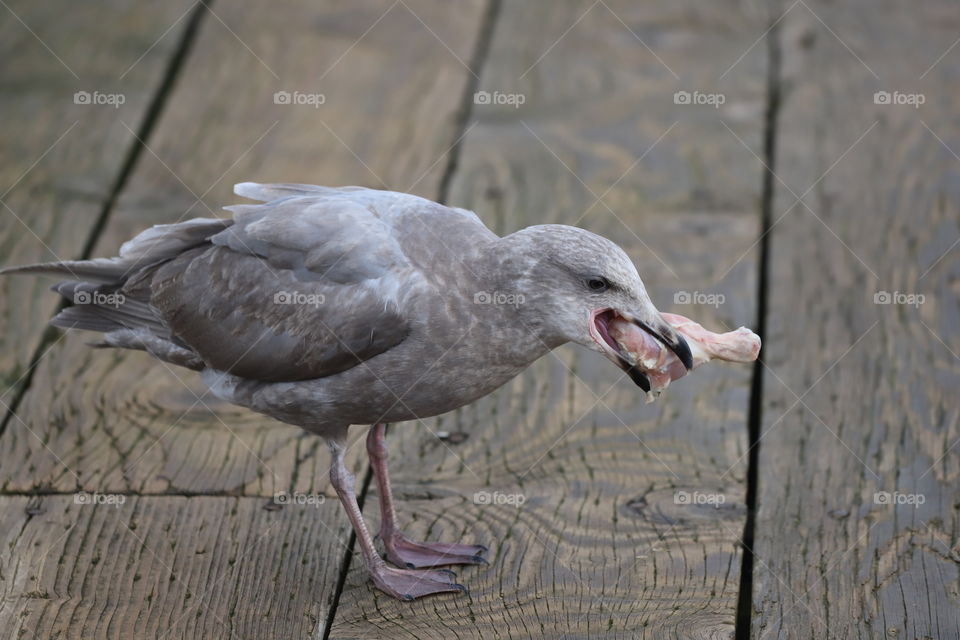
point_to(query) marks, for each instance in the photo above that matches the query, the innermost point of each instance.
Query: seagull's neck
(506, 267)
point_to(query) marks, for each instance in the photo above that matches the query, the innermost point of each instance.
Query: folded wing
(301, 287)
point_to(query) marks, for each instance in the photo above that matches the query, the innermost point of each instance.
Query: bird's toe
(405, 584)
(404, 552)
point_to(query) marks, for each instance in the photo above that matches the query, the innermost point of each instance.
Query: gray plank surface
(167, 567)
(860, 386)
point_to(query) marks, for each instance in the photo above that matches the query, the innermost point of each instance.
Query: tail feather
(109, 300)
(99, 309)
(142, 340)
(101, 270)
(156, 244)
(82, 318)
(112, 295)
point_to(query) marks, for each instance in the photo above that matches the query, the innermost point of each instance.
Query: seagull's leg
(399, 583)
(401, 550)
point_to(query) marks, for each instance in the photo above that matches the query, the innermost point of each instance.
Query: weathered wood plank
(123, 422)
(860, 397)
(167, 567)
(59, 160)
(599, 546)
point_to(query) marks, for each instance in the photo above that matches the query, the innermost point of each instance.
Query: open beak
(660, 330)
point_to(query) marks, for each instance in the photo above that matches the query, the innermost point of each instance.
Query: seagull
(328, 307)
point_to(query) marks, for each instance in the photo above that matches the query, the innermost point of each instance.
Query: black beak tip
(639, 378)
(682, 349)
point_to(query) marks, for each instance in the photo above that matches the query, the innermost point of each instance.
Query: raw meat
(661, 366)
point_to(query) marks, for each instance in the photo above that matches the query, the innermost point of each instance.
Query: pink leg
(401, 550)
(399, 583)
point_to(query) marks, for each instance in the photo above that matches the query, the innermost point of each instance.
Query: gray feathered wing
(304, 286)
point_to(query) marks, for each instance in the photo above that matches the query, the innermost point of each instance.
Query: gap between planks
(744, 618)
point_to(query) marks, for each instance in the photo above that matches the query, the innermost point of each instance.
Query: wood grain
(122, 422)
(860, 397)
(60, 160)
(599, 548)
(167, 567)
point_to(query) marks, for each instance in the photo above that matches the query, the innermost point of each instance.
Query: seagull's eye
(598, 283)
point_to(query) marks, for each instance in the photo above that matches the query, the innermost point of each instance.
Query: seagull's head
(577, 286)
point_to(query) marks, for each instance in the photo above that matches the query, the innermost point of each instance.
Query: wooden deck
(802, 206)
